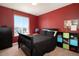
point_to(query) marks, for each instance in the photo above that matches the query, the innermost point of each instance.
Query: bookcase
(68, 41)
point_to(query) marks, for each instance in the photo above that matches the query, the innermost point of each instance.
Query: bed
(38, 45)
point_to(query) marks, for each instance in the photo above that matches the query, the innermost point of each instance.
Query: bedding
(37, 45)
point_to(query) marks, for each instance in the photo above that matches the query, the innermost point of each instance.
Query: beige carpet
(14, 51)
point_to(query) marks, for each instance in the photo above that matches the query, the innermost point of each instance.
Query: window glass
(21, 25)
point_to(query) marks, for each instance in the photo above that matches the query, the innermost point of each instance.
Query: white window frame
(20, 26)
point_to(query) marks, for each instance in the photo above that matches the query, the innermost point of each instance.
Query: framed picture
(75, 22)
(67, 23)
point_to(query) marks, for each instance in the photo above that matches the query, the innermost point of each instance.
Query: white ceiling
(39, 9)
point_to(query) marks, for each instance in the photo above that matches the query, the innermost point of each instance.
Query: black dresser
(5, 37)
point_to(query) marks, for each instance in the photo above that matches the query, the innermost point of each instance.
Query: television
(74, 42)
(59, 38)
(65, 35)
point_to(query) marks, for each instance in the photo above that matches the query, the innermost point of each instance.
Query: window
(21, 25)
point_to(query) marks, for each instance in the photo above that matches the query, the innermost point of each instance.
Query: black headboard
(48, 31)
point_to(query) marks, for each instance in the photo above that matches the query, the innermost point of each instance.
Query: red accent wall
(55, 19)
(7, 18)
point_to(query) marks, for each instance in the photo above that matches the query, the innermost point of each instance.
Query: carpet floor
(14, 51)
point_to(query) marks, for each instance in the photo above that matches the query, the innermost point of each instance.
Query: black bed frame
(26, 44)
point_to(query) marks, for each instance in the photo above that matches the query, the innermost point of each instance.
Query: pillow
(43, 32)
(46, 32)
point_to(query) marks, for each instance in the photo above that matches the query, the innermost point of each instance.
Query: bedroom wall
(55, 19)
(7, 18)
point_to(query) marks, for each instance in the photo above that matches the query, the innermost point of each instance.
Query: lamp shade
(36, 30)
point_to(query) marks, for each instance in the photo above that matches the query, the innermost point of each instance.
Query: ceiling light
(34, 3)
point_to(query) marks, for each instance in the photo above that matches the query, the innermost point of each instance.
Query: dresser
(5, 37)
